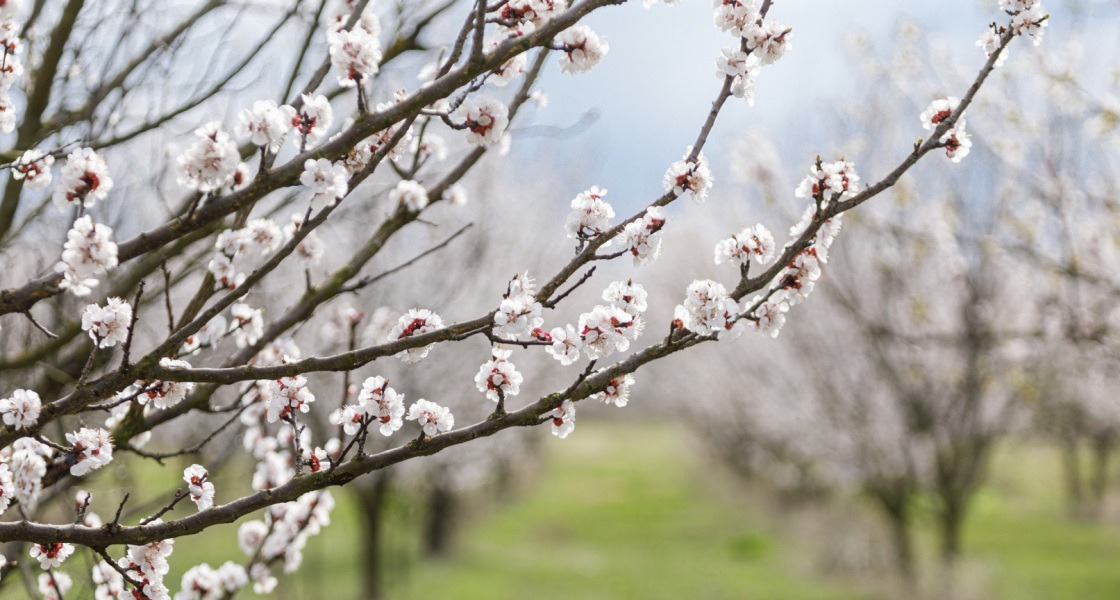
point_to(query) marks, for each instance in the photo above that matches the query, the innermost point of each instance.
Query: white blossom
(20, 411)
(591, 215)
(410, 194)
(199, 487)
(326, 181)
(432, 417)
(418, 321)
(34, 167)
(485, 118)
(354, 54)
(689, 176)
(643, 236)
(708, 309)
(563, 419)
(264, 125)
(580, 49)
(211, 162)
(92, 449)
(738, 249)
(107, 325)
(89, 251)
(498, 378)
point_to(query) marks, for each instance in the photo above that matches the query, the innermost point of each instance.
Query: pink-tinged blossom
(756, 242)
(591, 215)
(736, 16)
(938, 111)
(7, 488)
(526, 15)
(410, 194)
(643, 236)
(606, 330)
(247, 324)
(107, 325)
(957, 141)
(456, 195)
(689, 176)
(770, 316)
(89, 251)
(148, 564)
(990, 42)
(617, 391)
(485, 118)
(108, 583)
(498, 378)
(7, 113)
(580, 49)
(34, 167)
(326, 181)
(566, 345)
(432, 417)
(826, 180)
(1031, 21)
(83, 180)
(563, 419)
(310, 250)
(768, 40)
(211, 163)
(313, 120)
(519, 312)
(21, 410)
(502, 75)
(708, 309)
(627, 295)
(418, 321)
(288, 395)
(264, 125)
(200, 489)
(355, 55)
(54, 586)
(92, 449)
(165, 394)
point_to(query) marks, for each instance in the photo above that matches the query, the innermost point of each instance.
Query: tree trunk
(952, 520)
(898, 519)
(371, 499)
(1102, 451)
(440, 524)
(1071, 471)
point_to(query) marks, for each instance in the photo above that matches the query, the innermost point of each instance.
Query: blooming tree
(147, 321)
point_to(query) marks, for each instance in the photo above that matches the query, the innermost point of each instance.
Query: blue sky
(655, 86)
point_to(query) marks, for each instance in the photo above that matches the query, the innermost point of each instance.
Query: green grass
(1019, 531)
(626, 510)
(623, 512)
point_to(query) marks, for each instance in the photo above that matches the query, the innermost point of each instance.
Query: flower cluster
(92, 449)
(107, 325)
(211, 163)
(288, 395)
(10, 69)
(432, 417)
(378, 403)
(485, 118)
(591, 215)
(827, 182)
(327, 181)
(20, 411)
(690, 176)
(203, 582)
(519, 312)
(643, 236)
(265, 124)
(355, 54)
(148, 565)
(955, 140)
(89, 251)
(165, 394)
(410, 194)
(738, 249)
(708, 309)
(581, 49)
(605, 329)
(34, 167)
(617, 391)
(563, 419)
(418, 321)
(498, 378)
(282, 536)
(51, 556)
(200, 489)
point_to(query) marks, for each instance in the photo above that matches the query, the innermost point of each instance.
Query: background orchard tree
(214, 213)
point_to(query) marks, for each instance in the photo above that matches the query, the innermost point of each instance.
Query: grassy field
(633, 511)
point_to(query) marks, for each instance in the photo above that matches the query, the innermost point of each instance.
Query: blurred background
(940, 420)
